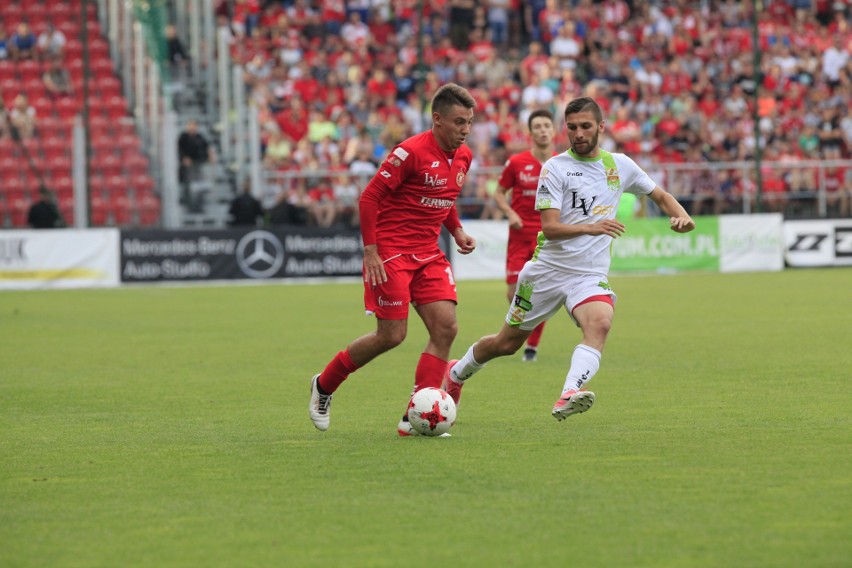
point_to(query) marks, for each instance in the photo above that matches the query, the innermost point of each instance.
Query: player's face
(583, 132)
(452, 127)
(542, 131)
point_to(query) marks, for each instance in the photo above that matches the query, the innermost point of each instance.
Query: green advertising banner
(649, 245)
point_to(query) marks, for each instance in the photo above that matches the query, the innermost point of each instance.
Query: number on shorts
(449, 272)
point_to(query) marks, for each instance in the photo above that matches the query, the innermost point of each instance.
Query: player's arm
(515, 221)
(554, 229)
(452, 223)
(368, 212)
(679, 219)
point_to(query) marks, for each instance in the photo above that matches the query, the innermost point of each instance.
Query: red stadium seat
(142, 183)
(29, 69)
(98, 49)
(18, 209)
(124, 126)
(101, 65)
(73, 48)
(107, 166)
(63, 186)
(120, 209)
(136, 164)
(50, 126)
(67, 108)
(70, 27)
(115, 107)
(43, 104)
(149, 210)
(62, 10)
(13, 185)
(10, 87)
(9, 164)
(129, 145)
(103, 145)
(108, 87)
(98, 211)
(66, 209)
(92, 25)
(7, 70)
(115, 185)
(55, 148)
(59, 167)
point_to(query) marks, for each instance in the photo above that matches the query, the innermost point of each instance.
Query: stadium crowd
(338, 83)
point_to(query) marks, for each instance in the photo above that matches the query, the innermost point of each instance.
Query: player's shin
(466, 367)
(337, 370)
(585, 362)
(429, 372)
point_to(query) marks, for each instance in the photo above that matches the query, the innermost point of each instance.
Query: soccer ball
(431, 412)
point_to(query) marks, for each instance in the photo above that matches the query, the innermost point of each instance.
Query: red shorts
(519, 250)
(412, 279)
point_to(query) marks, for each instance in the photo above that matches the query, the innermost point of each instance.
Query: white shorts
(542, 290)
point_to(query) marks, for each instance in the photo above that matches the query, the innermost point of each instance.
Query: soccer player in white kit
(577, 196)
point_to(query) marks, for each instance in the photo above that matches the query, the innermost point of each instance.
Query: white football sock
(584, 364)
(465, 368)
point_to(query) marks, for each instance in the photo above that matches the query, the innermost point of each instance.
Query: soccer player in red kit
(402, 210)
(520, 177)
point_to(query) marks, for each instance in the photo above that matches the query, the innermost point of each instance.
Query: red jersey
(420, 183)
(521, 176)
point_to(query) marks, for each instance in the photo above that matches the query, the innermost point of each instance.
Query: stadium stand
(675, 79)
(121, 188)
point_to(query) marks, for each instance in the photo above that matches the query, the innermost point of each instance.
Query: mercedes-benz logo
(260, 254)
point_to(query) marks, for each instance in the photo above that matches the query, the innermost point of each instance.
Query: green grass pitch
(168, 427)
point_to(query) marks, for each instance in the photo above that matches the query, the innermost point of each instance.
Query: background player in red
(402, 210)
(520, 177)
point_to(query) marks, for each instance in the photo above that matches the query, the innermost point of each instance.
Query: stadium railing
(804, 189)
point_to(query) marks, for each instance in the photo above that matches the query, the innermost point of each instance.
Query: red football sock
(336, 371)
(535, 337)
(429, 373)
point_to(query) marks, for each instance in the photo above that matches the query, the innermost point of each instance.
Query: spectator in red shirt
(333, 15)
(532, 62)
(626, 132)
(293, 121)
(380, 87)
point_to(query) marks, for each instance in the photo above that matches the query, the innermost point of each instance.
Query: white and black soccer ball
(431, 412)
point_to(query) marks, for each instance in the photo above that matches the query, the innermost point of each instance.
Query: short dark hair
(451, 95)
(540, 113)
(584, 104)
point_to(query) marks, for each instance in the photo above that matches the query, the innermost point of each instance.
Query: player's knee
(600, 326)
(392, 338)
(451, 330)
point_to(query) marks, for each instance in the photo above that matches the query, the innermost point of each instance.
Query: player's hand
(515, 221)
(466, 243)
(681, 224)
(374, 268)
(609, 227)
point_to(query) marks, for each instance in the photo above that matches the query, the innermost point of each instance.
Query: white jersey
(586, 191)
